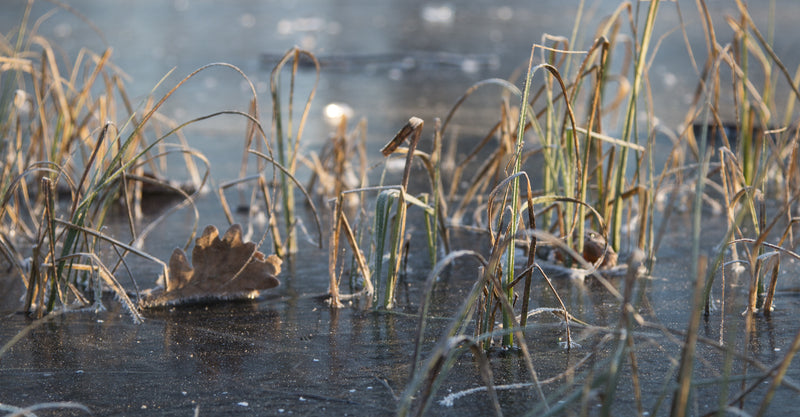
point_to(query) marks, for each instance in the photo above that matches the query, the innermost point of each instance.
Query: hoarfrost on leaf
(221, 269)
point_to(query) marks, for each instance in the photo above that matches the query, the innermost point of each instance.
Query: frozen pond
(289, 353)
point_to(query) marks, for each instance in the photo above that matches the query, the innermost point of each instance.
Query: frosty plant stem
(629, 126)
(508, 339)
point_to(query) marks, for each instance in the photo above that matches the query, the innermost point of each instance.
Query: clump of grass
(567, 151)
(64, 147)
(52, 119)
(426, 379)
(391, 205)
(583, 173)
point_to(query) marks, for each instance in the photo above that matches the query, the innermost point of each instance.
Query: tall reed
(629, 125)
(286, 139)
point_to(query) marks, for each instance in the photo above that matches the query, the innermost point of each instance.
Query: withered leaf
(212, 276)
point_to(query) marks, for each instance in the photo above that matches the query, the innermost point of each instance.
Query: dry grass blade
(412, 131)
(779, 375)
(31, 410)
(680, 402)
(333, 254)
(340, 225)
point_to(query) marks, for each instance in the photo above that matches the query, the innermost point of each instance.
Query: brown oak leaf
(216, 272)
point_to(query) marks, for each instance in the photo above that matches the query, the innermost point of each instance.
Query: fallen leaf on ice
(217, 272)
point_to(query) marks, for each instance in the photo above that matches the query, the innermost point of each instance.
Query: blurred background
(386, 60)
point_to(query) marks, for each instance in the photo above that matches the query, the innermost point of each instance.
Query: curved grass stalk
(440, 363)
(297, 183)
(428, 377)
